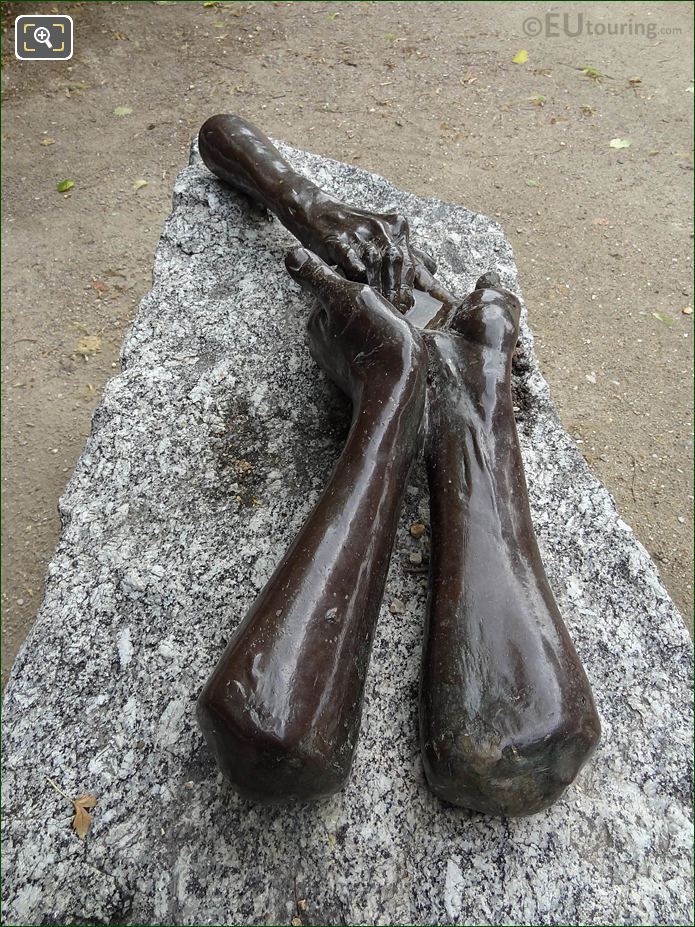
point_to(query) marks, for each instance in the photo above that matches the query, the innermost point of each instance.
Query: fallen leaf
(64, 185)
(332, 16)
(211, 3)
(620, 143)
(82, 820)
(537, 99)
(139, 184)
(122, 111)
(591, 73)
(48, 141)
(532, 183)
(90, 344)
(687, 310)
(521, 56)
(662, 317)
(417, 529)
(87, 801)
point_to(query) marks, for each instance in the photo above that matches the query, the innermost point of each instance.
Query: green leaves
(662, 317)
(64, 185)
(591, 73)
(521, 56)
(139, 184)
(123, 111)
(620, 143)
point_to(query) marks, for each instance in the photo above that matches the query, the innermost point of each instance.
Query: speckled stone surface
(206, 454)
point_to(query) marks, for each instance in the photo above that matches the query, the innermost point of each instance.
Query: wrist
(300, 205)
(397, 388)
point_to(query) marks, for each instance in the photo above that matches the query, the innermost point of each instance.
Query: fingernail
(296, 259)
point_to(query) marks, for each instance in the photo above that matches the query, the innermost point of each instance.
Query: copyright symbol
(532, 26)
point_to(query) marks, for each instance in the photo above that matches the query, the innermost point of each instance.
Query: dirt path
(424, 93)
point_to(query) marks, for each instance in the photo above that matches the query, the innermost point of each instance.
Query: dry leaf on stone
(139, 184)
(48, 141)
(82, 820)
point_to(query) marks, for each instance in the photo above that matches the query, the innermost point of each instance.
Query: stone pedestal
(206, 454)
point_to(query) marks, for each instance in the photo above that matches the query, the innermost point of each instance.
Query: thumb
(310, 271)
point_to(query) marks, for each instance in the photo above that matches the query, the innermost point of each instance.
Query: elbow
(267, 763)
(519, 777)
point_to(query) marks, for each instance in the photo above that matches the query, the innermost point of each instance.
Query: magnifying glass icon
(43, 36)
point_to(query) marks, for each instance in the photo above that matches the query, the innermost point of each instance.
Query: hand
(355, 334)
(371, 248)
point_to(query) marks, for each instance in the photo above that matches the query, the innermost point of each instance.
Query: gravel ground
(427, 94)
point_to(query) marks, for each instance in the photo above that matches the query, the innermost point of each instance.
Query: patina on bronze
(369, 247)
(507, 715)
(282, 709)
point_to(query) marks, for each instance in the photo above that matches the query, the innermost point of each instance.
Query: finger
(391, 270)
(352, 265)
(398, 226)
(422, 257)
(371, 257)
(310, 271)
(423, 278)
(406, 300)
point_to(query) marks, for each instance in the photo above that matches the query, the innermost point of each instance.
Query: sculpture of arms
(282, 709)
(369, 247)
(507, 716)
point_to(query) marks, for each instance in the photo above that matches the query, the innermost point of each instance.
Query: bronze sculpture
(507, 715)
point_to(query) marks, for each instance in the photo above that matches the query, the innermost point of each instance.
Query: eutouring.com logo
(43, 38)
(552, 25)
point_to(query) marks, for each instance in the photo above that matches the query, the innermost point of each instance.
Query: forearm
(243, 157)
(283, 706)
(507, 716)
